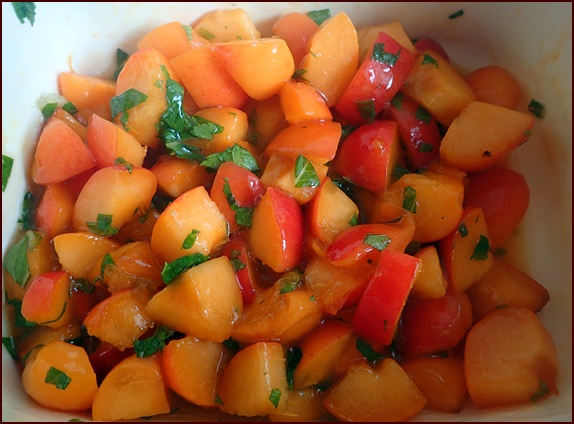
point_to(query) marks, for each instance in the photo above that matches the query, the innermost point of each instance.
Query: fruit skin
(278, 230)
(367, 156)
(432, 326)
(504, 196)
(376, 81)
(380, 307)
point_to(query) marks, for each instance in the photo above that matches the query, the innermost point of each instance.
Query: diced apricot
(437, 86)
(175, 176)
(172, 39)
(505, 285)
(330, 212)
(133, 389)
(120, 319)
(55, 210)
(430, 282)
(435, 201)
(110, 143)
(279, 313)
(193, 210)
(60, 154)
(301, 102)
(280, 173)
(113, 196)
(193, 368)
(78, 251)
(144, 72)
(334, 287)
(220, 26)
(302, 405)
(204, 301)
(440, 379)
(321, 350)
(260, 67)
(466, 253)
(206, 80)
(316, 140)
(266, 119)
(494, 84)
(510, 358)
(295, 28)
(60, 377)
(235, 127)
(385, 393)
(88, 93)
(483, 135)
(254, 382)
(368, 34)
(332, 57)
(46, 300)
(277, 232)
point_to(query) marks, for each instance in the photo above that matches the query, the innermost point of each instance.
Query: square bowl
(532, 40)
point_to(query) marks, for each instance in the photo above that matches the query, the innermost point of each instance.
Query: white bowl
(532, 40)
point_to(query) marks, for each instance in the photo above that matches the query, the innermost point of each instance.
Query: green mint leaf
(378, 241)
(305, 175)
(366, 349)
(410, 199)
(28, 211)
(10, 345)
(481, 249)
(172, 270)
(456, 14)
(354, 220)
(429, 60)
(121, 59)
(238, 155)
(218, 400)
(205, 34)
(243, 216)
(381, 56)
(70, 108)
(75, 420)
(397, 100)
(190, 239)
(122, 103)
(293, 357)
(366, 109)
(188, 32)
(237, 263)
(298, 75)
(49, 109)
(275, 397)
(122, 162)
(422, 115)
(319, 16)
(232, 345)
(19, 320)
(153, 344)
(7, 163)
(107, 260)
(542, 391)
(57, 378)
(25, 10)
(176, 126)
(536, 108)
(82, 284)
(462, 230)
(290, 281)
(399, 171)
(102, 226)
(16, 262)
(424, 147)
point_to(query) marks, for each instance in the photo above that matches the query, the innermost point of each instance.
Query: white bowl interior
(532, 40)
